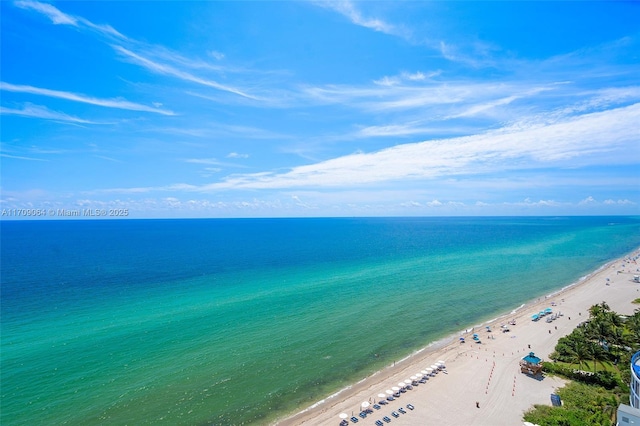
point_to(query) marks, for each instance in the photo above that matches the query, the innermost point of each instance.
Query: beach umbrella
(343, 415)
(382, 395)
(389, 392)
(435, 367)
(425, 372)
(407, 381)
(462, 338)
(419, 374)
(395, 388)
(429, 370)
(401, 385)
(441, 362)
(365, 404)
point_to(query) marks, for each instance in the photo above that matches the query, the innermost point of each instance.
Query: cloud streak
(75, 97)
(156, 59)
(594, 138)
(348, 9)
(170, 70)
(37, 111)
(60, 18)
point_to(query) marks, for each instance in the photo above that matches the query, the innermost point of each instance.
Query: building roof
(627, 409)
(532, 358)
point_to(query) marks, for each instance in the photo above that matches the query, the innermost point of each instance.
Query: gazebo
(531, 365)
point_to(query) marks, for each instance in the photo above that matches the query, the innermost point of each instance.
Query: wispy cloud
(349, 10)
(588, 139)
(20, 157)
(37, 111)
(168, 69)
(69, 96)
(412, 128)
(56, 16)
(214, 162)
(154, 58)
(60, 18)
(237, 155)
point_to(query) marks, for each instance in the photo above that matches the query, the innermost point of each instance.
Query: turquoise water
(241, 321)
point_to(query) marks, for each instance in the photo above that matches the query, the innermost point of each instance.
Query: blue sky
(337, 108)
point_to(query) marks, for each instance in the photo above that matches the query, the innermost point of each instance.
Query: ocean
(241, 321)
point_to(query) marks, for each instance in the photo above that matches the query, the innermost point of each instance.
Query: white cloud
(154, 58)
(411, 204)
(37, 111)
(588, 200)
(60, 18)
(300, 203)
(56, 16)
(236, 155)
(215, 54)
(212, 162)
(167, 69)
(348, 9)
(19, 157)
(107, 103)
(406, 76)
(392, 130)
(588, 139)
(624, 202)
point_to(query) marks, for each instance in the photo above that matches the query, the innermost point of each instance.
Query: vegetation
(582, 405)
(636, 301)
(596, 356)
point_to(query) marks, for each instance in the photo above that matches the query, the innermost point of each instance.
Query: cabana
(531, 365)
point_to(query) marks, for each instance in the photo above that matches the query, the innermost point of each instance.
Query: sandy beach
(483, 384)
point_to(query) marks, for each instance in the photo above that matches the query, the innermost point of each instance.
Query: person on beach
(477, 404)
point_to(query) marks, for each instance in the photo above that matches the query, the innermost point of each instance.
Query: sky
(319, 108)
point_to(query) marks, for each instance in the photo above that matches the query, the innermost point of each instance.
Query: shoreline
(571, 297)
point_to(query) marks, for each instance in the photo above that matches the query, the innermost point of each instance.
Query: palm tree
(595, 352)
(597, 310)
(578, 351)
